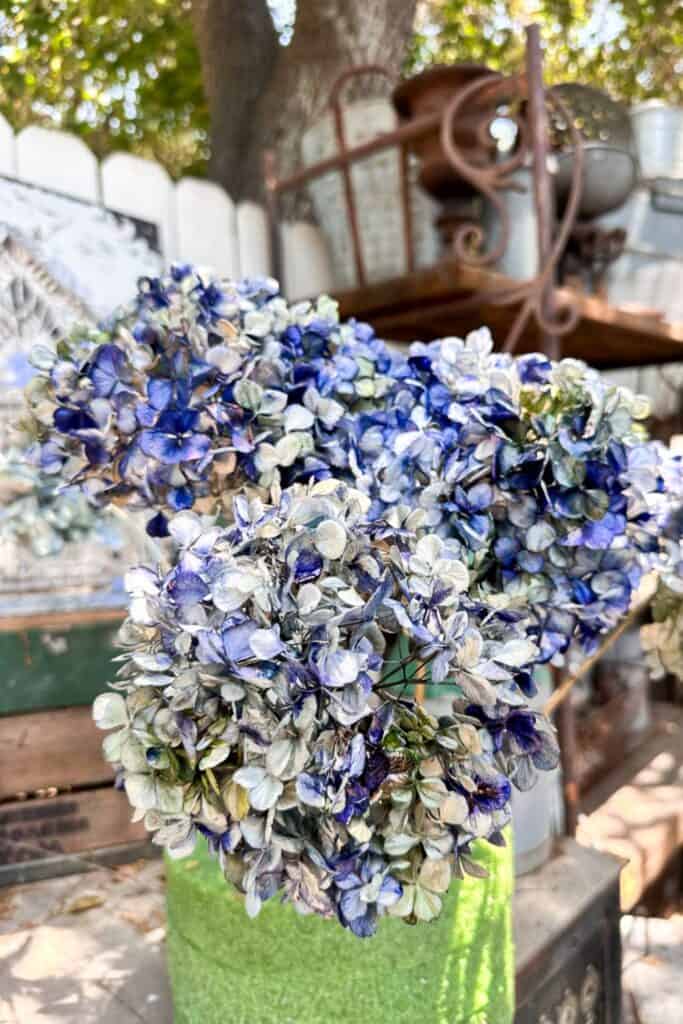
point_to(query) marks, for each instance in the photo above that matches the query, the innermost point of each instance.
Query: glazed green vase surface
(282, 968)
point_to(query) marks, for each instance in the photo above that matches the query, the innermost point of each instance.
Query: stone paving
(89, 949)
(86, 948)
(652, 970)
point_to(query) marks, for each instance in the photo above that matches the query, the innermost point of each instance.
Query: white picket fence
(197, 220)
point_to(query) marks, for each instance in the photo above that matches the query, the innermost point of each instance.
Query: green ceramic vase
(282, 968)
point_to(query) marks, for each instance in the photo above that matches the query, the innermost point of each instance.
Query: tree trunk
(262, 95)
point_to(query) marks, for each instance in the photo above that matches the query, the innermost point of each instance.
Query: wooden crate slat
(62, 864)
(72, 823)
(61, 748)
(54, 663)
(61, 620)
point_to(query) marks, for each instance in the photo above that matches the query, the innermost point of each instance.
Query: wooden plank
(60, 620)
(8, 155)
(425, 305)
(62, 864)
(206, 220)
(306, 267)
(73, 823)
(141, 188)
(58, 161)
(253, 235)
(61, 749)
(423, 288)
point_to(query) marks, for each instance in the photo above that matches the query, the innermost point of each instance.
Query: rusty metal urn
(430, 92)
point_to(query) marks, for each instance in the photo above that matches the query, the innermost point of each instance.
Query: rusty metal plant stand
(536, 294)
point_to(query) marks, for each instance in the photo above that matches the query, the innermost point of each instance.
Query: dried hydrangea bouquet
(328, 503)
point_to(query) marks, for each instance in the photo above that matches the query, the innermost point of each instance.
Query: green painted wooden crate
(282, 968)
(53, 668)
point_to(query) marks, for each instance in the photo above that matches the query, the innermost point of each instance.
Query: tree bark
(262, 95)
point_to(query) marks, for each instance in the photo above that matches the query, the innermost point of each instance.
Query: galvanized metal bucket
(658, 129)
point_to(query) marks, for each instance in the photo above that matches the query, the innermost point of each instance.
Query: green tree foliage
(123, 74)
(631, 48)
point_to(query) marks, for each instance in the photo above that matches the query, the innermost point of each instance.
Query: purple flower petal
(107, 370)
(159, 392)
(236, 641)
(68, 421)
(308, 565)
(173, 448)
(187, 588)
(310, 789)
(158, 526)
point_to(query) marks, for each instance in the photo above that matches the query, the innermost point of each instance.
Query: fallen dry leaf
(126, 871)
(145, 924)
(88, 901)
(6, 905)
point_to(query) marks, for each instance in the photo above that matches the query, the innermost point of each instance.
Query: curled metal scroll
(493, 178)
(475, 105)
(487, 179)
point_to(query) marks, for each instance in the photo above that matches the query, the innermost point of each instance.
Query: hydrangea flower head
(261, 705)
(201, 385)
(541, 470)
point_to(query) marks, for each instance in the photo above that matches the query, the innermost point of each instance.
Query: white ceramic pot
(376, 186)
(650, 272)
(627, 662)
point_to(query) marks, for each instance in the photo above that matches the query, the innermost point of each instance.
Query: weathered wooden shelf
(57, 804)
(425, 305)
(58, 749)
